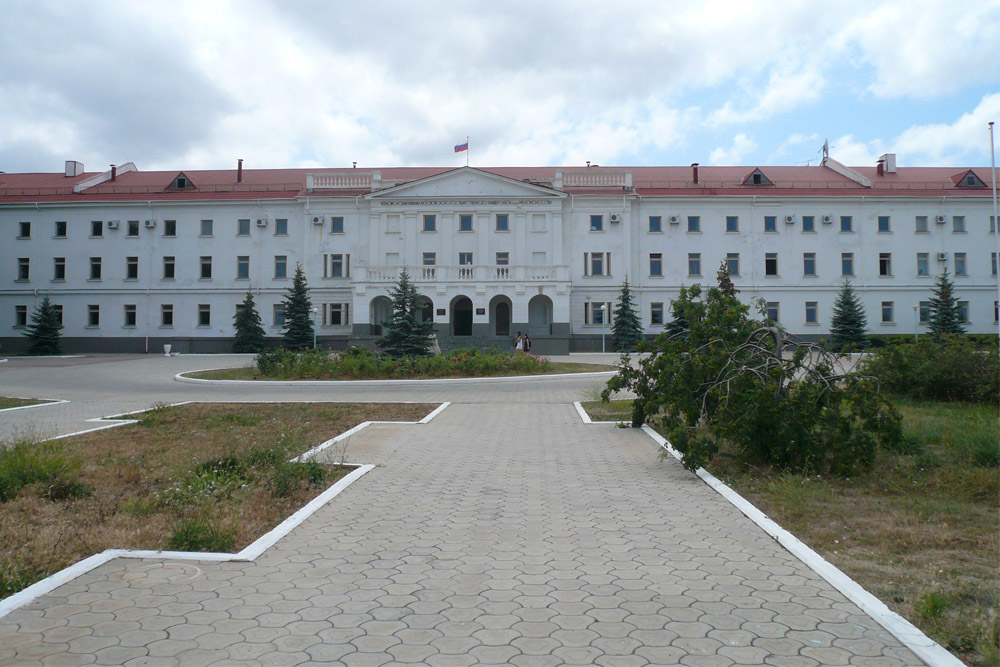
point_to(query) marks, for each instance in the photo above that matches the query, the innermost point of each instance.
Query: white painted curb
(182, 377)
(48, 401)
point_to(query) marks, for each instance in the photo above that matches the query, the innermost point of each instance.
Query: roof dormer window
(181, 182)
(757, 177)
(971, 180)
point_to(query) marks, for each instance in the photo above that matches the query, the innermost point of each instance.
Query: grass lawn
(7, 402)
(252, 373)
(921, 531)
(209, 477)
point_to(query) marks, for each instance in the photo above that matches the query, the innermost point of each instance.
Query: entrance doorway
(500, 310)
(461, 316)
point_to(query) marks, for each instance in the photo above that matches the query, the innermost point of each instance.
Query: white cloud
(949, 144)
(734, 154)
(784, 92)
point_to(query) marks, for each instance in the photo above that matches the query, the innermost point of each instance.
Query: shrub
(65, 489)
(952, 368)
(30, 463)
(284, 479)
(201, 534)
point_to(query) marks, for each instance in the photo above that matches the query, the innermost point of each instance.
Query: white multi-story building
(139, 259)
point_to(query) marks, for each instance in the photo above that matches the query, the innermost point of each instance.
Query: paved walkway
(504, 531)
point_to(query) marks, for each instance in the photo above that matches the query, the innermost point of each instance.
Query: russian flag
(462, 147)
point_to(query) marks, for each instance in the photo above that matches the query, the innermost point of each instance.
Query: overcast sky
(321, 83)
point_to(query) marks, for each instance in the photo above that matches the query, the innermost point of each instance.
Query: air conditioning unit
(942, 257)
(616, 218)
(150, 224)
(827, 219)
(941, 219)
(113, 224)
(319, 219)
(789, 219)
(262, 222)
(675, 220)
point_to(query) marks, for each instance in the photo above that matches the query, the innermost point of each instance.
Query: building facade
(136, 260)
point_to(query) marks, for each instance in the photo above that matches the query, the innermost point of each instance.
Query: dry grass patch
(920, 530)
(8, 402)
(210, 477)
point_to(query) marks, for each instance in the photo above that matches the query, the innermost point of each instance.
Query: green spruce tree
(849, 324)
(43, 332)
(626, 331)
(250, 336)
(298, 330)
(406, 334)
(945, 317)
(678, 325)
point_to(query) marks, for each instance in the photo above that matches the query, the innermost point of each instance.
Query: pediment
(464, 183)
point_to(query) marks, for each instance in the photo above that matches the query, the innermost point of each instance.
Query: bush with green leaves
(727, 386)
(952, 368)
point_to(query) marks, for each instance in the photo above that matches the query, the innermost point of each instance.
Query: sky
(324, 83)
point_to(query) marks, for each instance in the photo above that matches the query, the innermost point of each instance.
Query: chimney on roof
(73, 168)
(114, 173)
(880, 167)
(354, 165)
(889, 160)
(239, 170)
(694, 172)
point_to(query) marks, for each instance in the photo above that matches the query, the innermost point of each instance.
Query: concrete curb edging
(249, 553)
(48, 401)
(908, 634)
(182, 377)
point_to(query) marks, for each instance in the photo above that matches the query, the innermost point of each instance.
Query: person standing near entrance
(518, 342)
(526, 344)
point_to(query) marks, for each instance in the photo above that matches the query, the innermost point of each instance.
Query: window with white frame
(920, 224)
(993, 263)
(958, 224)
(430, 223)
(281, 226)
(733, 263)
(23, 269)
(503, 265)
(281, 266)
(131, 268)
(503, 222)
(694, 223)
(847, 263)
(773, 310)
(809, 264)
(885, 263)
(809, 223)
(337, 265)
(24, 230)
(20, 316)
(597, 223)
(923, 264)
(58, 268)
(278, 315)
(170, 228)
(732, 223)
(770, 264)
(93, 315)
(655, 264)
(336, 224)
(96, 228)
(656, 313)
(694, 263)
(204, 315)
(167, 315)
(243, 227)
(812, 312)
(336, 314)
(846, 223)
(168, 268)
(963, 311)
(206, 227)
(597, 313)
(883, 224)
(960, 267)
(95, 268)
(132, 228)
(60, 231)
(655, 223)
(243, 267)
(129, 315)
(924, 312)
(57, 309)
(465, 222)
(887, 312)
(597, 263)
(205, 271)
(770, 223)
(430, 258)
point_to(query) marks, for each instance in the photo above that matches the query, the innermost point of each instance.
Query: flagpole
(996, 223)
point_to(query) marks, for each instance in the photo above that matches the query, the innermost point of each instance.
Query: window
(963, 311)
(921, 224)
(96, 228)
(243, 267)
(655, 264)
(993, 225)
(809, 264)
(597, 312)
(770, 264)
(503, 258)
(847, 263)
(503, 222)
(465, 222)
(93, 315)
(993, 262)
(958, 224)
(883, 224)
(170, 228)
(337, 224)
(129, 315)
(206, 227)
(923, 264)
(885, 263)
(430, 258)
(887, 315)
(655, 223)
(732, 223)
(733, 263)
(656, 312)
(280, 266)
(132, 230)
(60, 229)
(58, 268)
(58, 310)
(278, 315)
(465, 259)
(204, 315)
(24, 230)
(206, 267)
(23, 268)
(924, 311)
(809, 223)
(812, 312)
(960, 268)
(336, 265)
(597, 223)
(430, 223)
(95, 268)
(243, 227)
(772, 309)
(281, 227)
(168, 268)
(694, 263)
(20, 316)
(770, 223)
(131, 268)
(846, 223)
(597, 263)
(167, 315)
(694, 223)
(336, 314)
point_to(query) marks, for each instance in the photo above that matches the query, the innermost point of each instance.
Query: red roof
(646, 181)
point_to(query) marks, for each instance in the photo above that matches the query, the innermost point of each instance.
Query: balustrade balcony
(467, 273)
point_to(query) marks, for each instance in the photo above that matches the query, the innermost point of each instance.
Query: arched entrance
(426, 309)
(540, 316)
(461, 316)
(379, 311)
(500, 309)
